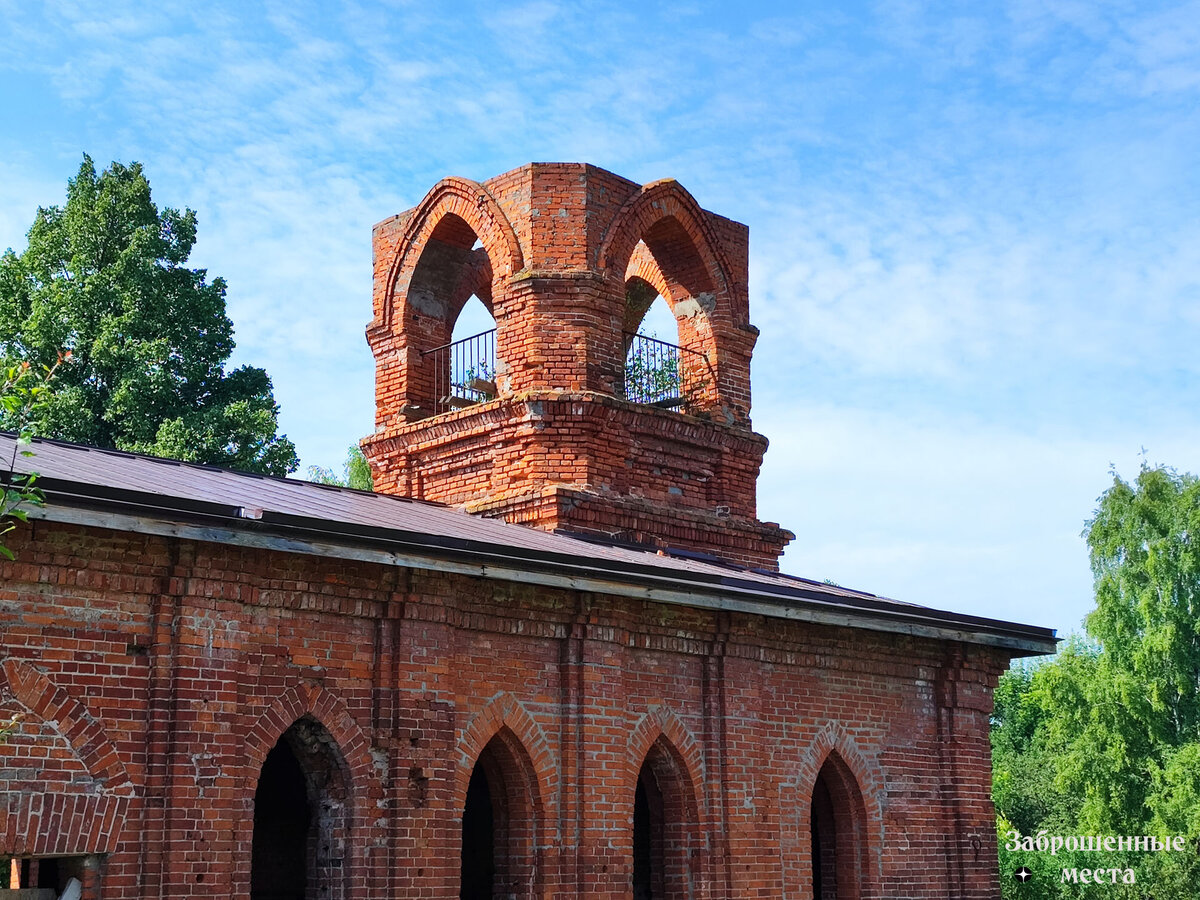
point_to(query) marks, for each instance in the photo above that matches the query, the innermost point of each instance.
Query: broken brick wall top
(568, 259)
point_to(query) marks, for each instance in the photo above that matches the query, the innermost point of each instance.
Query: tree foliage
(651, 371)
(1145, 549)
(356, 472)
(104, 277)
(23, 389)
(1105, 738)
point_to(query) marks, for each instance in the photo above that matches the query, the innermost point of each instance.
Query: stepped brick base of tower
(575, 462)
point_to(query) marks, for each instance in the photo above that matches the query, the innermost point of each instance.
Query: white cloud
(20, 197)
(948, 513)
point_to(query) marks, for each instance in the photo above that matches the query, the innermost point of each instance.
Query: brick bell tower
(564, 418)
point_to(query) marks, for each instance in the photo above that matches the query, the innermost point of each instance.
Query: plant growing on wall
(7, 728)
(22, 390)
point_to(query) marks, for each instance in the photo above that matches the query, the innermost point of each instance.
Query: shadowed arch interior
(666, 263)
(499, 824)
(453, 266)
(838, 833)
(664, 827)
(678, 258)
(301, 818)
(472, 318)
(666, 218)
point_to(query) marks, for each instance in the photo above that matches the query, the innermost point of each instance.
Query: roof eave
(203, 521)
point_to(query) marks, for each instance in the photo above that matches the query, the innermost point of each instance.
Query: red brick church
(552, 657)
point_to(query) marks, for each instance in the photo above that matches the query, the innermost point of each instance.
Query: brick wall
(569, 258)
(155, 676)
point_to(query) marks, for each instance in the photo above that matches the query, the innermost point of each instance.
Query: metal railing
(653, 371)
(464, 372)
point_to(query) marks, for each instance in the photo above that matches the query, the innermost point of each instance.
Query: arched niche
(451, 268)
(301, 842)
(467, 374)
(665, 837)
(498, 857)
(687, 294)
(838, 833)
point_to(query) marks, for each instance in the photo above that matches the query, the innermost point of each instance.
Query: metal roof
(130, 491)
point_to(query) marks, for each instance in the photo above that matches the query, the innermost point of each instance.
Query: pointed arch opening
(669, 346)
(447, 299)
(499, 824)
(838, 833)
(473, 318)
(664, 827)
(647, 312)
(663, 237)
(656, 367)
(302, 815)
(469, 372)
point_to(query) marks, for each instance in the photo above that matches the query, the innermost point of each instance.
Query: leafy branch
(356, 472)
(22, 390)
(8, 728)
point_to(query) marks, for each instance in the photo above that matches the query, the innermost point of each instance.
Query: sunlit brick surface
(156, 674)
(569, 258)
(152, 675)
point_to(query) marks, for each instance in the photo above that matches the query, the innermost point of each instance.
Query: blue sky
(974, 231)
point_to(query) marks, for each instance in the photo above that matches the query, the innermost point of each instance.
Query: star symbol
(1022, 874)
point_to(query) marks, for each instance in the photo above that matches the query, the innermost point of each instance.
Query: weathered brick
(157, 675)
(568, 262)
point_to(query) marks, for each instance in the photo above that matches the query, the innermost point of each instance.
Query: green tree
(356, 472)
(650, 374)
(1174, 798)
(104, 277)
(1146, 559)
(1105, 738)
(22, 390)
(1034, 734)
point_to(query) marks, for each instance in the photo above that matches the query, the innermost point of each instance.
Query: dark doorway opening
(301, 837)
(647, 838)
(281, 822)
(664, 818)
(824, 844)
(478, 840)
(499, 827)
(837, 824)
